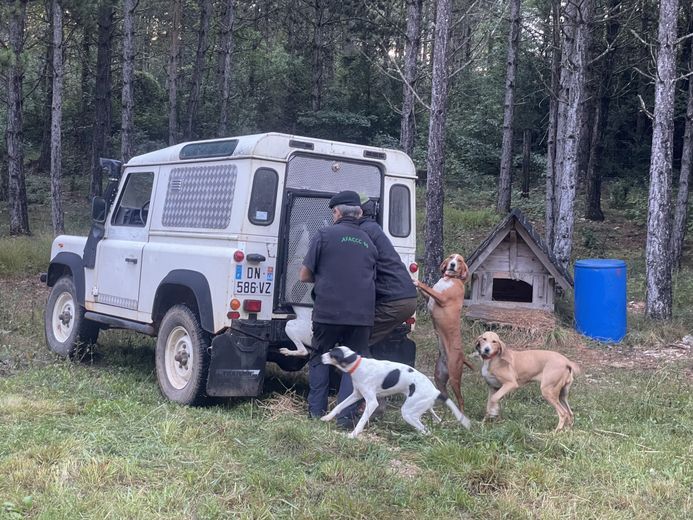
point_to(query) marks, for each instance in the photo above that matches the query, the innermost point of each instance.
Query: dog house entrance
(507, 290)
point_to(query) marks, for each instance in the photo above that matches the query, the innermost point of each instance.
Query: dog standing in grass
(445, 300)
(373, 378)
(506, 370)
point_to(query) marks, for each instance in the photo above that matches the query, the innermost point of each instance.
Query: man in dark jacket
(341, 262)
(395, 294)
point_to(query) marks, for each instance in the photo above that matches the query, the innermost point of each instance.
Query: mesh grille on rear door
(308, 214)
(332, 175)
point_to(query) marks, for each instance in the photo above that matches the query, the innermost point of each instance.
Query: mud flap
(396, 347)
(237, 365)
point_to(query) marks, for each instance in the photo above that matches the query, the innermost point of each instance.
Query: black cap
(346, 197)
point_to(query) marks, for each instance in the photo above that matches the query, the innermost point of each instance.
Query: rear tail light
(413, 267)
(235, 304)
(233, 315)
(252, 305)
(238, 256)
(410, 321)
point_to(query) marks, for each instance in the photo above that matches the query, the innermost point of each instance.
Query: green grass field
(95, 439)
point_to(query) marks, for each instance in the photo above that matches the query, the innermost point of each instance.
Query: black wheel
(182, 357)
(65, 326)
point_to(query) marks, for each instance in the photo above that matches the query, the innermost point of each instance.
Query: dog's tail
(456, 412)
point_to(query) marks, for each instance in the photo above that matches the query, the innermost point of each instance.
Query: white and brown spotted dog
(373, 378)
(506, 370)
(445, 300)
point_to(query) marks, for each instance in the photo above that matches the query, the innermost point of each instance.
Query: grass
(95, 439)
(82, 437)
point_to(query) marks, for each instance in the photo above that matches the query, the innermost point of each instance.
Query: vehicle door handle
(255, 257)
(131, 260)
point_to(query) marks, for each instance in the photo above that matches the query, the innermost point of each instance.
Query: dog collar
(455, 275)
(355, 365)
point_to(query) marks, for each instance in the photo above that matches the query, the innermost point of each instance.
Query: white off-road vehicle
(200, 244)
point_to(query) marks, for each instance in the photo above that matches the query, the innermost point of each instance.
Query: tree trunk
(657, 254)
(44, 160)
(84, 72)
(225, 68)
(56, 120)
(550, 217)
(318, 58)
(407, 134)
(505, 180)
(128, 95)
(102, 94)
(198, 71)
(436, 143)
(642, 122)
(526, 147)
(173, 58)
(593, 209)
(85, 116)
(18, 208)
(578, 19)
(681, 212)
(593, 194)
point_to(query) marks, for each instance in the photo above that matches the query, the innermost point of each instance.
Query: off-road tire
(182, 380)
(65, 327)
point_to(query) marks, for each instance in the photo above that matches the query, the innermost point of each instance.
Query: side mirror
(98, 210)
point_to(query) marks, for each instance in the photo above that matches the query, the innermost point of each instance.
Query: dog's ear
(501, 348)
(443, 266)
(478, 343)
(464, 270)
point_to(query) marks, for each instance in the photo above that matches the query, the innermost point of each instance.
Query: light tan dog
(506, 370)
(445, 301)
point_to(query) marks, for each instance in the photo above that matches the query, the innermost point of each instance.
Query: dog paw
(326, 418)
(352, 435)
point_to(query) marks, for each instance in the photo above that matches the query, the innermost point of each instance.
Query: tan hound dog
(445, 301)
(506, 370)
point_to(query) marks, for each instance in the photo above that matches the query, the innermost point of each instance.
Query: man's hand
(306, 275)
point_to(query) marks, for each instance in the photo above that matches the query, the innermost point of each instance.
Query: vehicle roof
(276, 146)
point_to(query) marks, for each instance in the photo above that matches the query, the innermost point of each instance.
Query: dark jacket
(342, 258)
(392, 280)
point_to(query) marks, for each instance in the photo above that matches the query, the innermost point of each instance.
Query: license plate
(253, 280)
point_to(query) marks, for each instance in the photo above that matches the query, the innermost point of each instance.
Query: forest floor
(95, 439)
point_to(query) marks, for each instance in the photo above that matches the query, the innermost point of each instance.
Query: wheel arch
(187, 287)
(67, 263)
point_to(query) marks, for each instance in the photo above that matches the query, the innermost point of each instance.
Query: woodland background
(559, 96)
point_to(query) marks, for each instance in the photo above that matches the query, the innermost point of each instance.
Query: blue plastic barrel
(600, 298)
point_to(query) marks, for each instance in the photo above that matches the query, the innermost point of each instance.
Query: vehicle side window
(133, 206)
(263, 197)
(400, 211)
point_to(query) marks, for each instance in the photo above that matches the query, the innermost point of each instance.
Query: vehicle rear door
(311, 181)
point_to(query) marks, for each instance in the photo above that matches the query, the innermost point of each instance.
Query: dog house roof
(516, 220)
